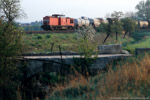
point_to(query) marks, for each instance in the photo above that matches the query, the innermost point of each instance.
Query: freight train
(60, 22)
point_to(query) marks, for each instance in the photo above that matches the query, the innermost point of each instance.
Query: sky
(37, 9)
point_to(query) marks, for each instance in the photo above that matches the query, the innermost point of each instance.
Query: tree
(129, 26)
(117, 24)
(87, 47)
(108, 28)
(116, 15)
(10, 10)
(114, 25)
(10, 48)
(102, 27)
(143, 10)
(117, 27)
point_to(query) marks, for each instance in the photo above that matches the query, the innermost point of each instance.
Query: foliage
(117, 24)
(10, 48)
(108, 29)
(143, 9)
(86, 44)
(129, 26)
(48, 36)
(140, 40)
(114, 25)
(102, 28)
(87, 48)
(128, 80)
(116, 15)
(10, 10)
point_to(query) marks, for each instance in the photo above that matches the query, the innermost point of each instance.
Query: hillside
(127, 81)
(43, 42)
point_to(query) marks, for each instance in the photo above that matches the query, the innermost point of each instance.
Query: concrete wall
(139, 51)
(110, 49)
(54, 64)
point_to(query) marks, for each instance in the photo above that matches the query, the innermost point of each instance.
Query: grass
(125, 80)
(129, 80)
(41, 43)
(140, 40)
(130, 43)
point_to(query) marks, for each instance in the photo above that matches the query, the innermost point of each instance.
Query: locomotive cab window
(71, 20)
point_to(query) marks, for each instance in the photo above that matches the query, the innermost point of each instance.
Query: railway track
(66, 31)
(49, 32)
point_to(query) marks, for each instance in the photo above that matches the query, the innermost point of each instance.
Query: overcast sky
(37, 9)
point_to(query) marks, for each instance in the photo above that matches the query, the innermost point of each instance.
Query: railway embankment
(37, 64)
(53, 62)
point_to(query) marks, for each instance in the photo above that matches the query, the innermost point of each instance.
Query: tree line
(116, 24)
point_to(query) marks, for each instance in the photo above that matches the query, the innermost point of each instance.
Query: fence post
(52, 45)
(61, 60)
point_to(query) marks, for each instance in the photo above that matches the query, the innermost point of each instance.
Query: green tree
(10, 10)
(143, 9)
(87, 49)
(102, 28)
(117, 24)
(10, 48)
(129, 26)
(114, 25)
(108, 29)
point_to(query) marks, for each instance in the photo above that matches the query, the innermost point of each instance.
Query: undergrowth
(130, 80)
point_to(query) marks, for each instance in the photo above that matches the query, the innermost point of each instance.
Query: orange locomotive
(58, 22)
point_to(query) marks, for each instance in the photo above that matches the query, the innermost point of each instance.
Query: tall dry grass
(130, 80)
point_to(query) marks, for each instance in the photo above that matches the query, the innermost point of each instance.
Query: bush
(86, 48)
(39, 37)
(10, 48)
(48, 36)
(102, 28)
(128, 80)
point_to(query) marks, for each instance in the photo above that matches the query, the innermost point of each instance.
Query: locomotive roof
(56, 15)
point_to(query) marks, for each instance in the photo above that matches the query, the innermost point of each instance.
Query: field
(42, 43)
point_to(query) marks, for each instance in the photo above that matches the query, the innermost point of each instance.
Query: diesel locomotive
(60, 22)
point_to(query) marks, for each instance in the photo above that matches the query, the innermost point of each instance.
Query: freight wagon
(60, 22)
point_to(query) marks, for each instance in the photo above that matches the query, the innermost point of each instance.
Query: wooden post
(52, 45)
(61, 59)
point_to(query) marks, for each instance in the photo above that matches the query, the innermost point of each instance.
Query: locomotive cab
(57, 22)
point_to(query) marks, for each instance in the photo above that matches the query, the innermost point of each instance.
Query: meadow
(42, 43)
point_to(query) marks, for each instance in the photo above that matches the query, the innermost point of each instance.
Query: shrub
(48, 36)
(128, 80)
(102, 28)
(10, 48)
(39, 37)
(86, 48)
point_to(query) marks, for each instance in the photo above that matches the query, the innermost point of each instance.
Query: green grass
(42, 42)
(140, 40)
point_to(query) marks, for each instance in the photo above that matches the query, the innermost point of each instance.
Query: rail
(50, 32)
